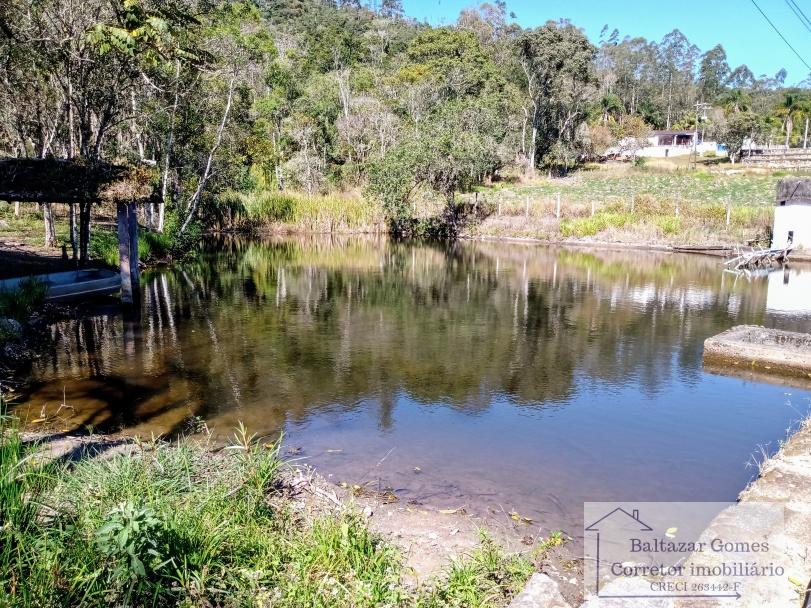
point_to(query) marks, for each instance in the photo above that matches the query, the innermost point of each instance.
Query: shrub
(590, 226)
(668, 224)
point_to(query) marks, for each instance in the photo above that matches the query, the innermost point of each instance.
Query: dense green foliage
(316, 96)
(168, 525)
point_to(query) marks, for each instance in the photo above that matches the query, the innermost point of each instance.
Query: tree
(713, 72)
(738, 128)
(557, 61)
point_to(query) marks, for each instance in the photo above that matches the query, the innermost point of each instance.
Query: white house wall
(794, 216)
(789, 291)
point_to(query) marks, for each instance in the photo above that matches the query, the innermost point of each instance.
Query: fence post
(557, 208)
(526, 206)
(729, 209)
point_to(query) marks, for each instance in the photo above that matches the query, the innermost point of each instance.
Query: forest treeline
(315, 96)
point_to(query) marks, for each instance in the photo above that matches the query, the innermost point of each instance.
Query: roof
(793, 189)
(665, 132)
(50, 180)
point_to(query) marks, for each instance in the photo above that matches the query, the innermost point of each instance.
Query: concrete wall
(796, 216)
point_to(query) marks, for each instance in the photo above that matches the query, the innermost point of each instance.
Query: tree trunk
(16, 208)
(194, 202)
(50, 233)
(170, 139)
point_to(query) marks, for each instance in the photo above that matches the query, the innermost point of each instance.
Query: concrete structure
(792, 214)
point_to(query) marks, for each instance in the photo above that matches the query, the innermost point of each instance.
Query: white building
(664, 144)
(792, 214)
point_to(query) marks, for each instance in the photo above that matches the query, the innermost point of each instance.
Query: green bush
(668, 224)
(590, 226)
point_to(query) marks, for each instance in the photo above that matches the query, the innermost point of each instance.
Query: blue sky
(735, 24)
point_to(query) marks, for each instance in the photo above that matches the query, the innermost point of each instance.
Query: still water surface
(494, 376)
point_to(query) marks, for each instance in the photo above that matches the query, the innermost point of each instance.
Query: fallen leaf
(459, 511)
(516, 517)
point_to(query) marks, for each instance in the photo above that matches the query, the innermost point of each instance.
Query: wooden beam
(124, 264)
(132, 216)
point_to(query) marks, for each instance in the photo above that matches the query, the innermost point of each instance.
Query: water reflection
(517, 374)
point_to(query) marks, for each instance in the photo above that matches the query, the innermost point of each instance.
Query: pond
(486, 375)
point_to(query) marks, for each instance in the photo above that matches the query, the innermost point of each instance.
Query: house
(664, 144)
(792, 214)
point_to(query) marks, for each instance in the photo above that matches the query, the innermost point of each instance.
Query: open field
(658, 204)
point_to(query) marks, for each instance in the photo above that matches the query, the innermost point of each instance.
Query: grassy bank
(178, 525)
(659, 203)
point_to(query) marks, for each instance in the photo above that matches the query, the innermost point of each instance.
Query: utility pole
(700, 107)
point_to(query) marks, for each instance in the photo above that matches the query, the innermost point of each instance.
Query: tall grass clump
(315, 213)
(20, 302)
(175, 525)
(591, 226)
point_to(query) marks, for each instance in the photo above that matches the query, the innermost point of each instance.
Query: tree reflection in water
(300, 331)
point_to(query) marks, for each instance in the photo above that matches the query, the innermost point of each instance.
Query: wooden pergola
(85, 183)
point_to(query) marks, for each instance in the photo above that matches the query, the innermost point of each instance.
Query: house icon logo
(621, 516)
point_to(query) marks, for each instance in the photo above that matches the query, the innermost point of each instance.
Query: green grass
(19, 303)
(637, 204)
(175, 525)
(104, 245)
(319, 213)
(609, 184)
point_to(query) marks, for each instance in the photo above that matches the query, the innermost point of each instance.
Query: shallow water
(487, 375)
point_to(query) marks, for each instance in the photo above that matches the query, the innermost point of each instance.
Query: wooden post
(124, 265)
(84, 231)
(73, 240)
(729, 208)
(132, 215)
(526, 206)
(557, 207)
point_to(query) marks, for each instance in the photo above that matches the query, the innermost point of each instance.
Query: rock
(540, 592)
